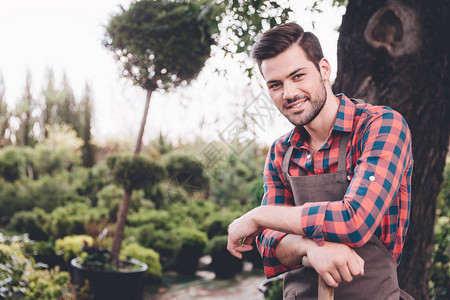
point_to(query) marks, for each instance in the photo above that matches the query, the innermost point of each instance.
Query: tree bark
(125, 204)
(120, 226)
(396, 53)
(138, 147)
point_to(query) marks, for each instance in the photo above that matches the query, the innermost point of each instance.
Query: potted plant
(110, 277)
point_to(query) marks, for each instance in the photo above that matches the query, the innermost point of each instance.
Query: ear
(325, 69)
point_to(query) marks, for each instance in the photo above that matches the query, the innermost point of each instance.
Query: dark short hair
(280, 38)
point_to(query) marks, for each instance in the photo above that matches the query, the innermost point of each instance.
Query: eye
(298, 76)
(274, 86)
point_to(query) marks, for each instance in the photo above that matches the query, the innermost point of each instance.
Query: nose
(289, 91)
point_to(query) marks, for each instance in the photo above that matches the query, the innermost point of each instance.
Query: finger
(345, 273)
(329, 280)
(356, 265)
(236, 249)
(336, 276)
(248, 240)
(306, 263)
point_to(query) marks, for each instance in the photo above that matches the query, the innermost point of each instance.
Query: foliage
(71, 246)
(248, 167)
(110, 197)
(20, 277)
(147, 256)
(47, 193)
(73, 219)
(275, 289)
(15, 162)
(135, 172)
(193, 243)
(223, 263)
(31, 222)
(242, 21)
(160, 219)
(217, 224)
(186, 171)
(165, 242)
(440, 264)
(151, 37)
(44, 252)
(60, 150)
(93, 181)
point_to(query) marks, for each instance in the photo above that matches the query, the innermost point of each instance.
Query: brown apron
(380, 269)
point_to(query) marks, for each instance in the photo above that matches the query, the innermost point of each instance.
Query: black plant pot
(111, 285)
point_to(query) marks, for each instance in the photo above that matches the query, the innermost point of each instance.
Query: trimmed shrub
(135, 172)
(193, 243)
(73, 218)
(148, 256)
(110, 198)
(165, 242)
(217, 223)
(223, 263)
(31, 222)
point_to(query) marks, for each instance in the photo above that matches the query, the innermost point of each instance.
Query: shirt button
(308, 156)
(348, 177)
(372, 178)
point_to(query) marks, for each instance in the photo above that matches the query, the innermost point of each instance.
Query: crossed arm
(333, 261)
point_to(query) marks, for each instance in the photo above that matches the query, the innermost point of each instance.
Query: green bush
(16, 162)
(135, 172)
(71, 246)
(275, 289)
(47, 193)
(21, 278)
(217, 224)
(73, 218)
(110, 197)
(193, 243)
(31, 222)
(162, 241)
(223, 263)
(439, 283)
(148, 256)
(160, 219)
(185, 171)
(44, 252)
(193, 213)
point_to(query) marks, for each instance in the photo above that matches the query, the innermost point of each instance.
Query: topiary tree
(161, 45)
(132, 172)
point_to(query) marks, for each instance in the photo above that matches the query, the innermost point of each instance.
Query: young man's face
(295, 85)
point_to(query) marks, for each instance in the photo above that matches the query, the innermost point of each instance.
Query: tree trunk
(138, 147)
(396, 53)
(125, 204)
(120, 226)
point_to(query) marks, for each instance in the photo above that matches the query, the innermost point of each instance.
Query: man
(337, 187)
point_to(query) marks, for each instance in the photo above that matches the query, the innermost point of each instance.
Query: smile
(298, 103)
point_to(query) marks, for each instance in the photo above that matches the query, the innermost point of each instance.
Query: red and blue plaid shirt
(377, 201)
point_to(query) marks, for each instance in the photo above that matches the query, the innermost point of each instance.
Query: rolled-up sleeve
(275, 193)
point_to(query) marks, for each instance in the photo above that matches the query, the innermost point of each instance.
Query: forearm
(280, 218)
(291, 249)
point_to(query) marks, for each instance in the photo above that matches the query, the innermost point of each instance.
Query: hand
(242, 228)
(334, 262)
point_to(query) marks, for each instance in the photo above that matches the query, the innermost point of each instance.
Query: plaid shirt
(377, 201)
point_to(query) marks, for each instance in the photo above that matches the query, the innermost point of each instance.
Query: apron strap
(342, 162)
(285, 165)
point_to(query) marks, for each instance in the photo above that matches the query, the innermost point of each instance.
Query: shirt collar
(343, 122)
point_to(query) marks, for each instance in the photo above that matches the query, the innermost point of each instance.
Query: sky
(66, 35)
